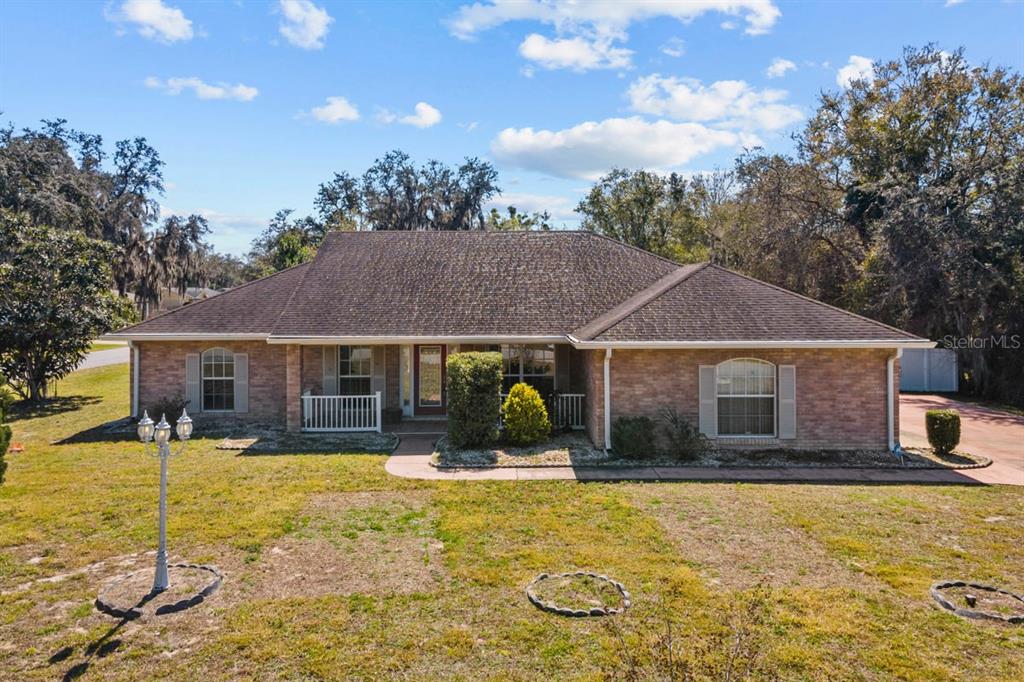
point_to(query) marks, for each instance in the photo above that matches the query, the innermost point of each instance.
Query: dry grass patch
(354, 543)
(736, 541)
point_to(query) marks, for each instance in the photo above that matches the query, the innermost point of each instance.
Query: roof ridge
(637, 301)
(192, 306)
(817, 302)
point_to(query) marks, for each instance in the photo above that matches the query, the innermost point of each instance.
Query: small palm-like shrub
(634, 437)
(685, 441)
(526, 416)
(474, 388)
(943, 427)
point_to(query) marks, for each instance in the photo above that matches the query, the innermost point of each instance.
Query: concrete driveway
(102, 358)
(983, 431)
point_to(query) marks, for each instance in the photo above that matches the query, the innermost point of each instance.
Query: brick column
(293, 387)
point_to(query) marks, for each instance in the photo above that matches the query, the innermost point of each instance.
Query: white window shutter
(378, 380)
(193, 385)
(708, 419)
(330, 370)
(241, 382)
(787, 401)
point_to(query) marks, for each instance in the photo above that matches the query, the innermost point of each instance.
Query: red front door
(429, 395)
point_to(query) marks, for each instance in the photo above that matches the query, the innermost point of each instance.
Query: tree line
(903, 201)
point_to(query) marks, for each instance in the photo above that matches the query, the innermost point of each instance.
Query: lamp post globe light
(161, 433)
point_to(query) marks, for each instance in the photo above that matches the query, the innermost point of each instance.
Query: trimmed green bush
(5, 430)
(685, 441)
(634, 437)
(526, 416)
(473, 382)
(943, 427)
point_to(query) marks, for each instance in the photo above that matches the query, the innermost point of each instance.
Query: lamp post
(162, 434)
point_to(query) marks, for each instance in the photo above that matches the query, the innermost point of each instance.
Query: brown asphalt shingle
(716, 304)
(501, 284)
(464, 283)
(252, 308)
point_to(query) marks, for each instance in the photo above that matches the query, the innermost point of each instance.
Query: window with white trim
(745, 389)
(530, 364)
(355, 370)
(218, 380)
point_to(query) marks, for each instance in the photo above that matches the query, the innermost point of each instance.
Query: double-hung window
(746, 398)
(355, 369)
(218, 380)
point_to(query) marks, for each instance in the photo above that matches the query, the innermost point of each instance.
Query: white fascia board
(129, 336)
(377, 340)
(696, 345)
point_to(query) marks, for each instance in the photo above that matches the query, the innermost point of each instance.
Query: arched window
(218, 380)
(745, 389)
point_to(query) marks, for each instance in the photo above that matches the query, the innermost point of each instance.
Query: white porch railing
(565, 410)
(341, 412)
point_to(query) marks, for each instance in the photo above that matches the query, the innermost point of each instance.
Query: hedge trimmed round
(1015, 600)
(576, 610)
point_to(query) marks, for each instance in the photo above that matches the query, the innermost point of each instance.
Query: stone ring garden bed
(575, 450)
(580, 594)
(131, 596)
(979, 601)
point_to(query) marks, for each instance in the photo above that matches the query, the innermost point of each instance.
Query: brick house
(358, 337)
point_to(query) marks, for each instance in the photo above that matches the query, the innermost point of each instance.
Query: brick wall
(313, 369)
(840, 394)
(162, 374)
(591, 368)
(392, 378)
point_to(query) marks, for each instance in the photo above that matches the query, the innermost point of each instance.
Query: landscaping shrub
(169, 406)
(474, 398)
(526, 416)
(685, 441)
(943, 427)
(6, 399)
(634, 437)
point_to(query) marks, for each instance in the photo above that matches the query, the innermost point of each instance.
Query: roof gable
(714, 304)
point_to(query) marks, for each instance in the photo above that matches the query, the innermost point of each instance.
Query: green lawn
(99, 345)
(337, 570)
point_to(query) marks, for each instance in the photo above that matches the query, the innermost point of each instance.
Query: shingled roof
(579, 285)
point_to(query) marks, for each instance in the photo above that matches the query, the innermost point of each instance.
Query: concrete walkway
(412, 460)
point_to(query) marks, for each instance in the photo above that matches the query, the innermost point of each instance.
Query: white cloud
(779, 67)
(202, 90)
(590, 149)
(424, 116)
(304, 24)
(731, 104)
(336, 109)
(578, 54)
(674, 47)
(856, 68)
(469, 127)
(153, 19)
(559, 207)
(606, 18)
(950, 3)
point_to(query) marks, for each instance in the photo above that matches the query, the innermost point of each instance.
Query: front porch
(372, 387)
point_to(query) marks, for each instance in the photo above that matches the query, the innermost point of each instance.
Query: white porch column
(607, 399)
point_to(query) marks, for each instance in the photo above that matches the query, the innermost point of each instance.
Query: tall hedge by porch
(474, 398)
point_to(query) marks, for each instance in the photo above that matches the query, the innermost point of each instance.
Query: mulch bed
(575, 450)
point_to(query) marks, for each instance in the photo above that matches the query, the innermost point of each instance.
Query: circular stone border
(596, 611)
(936, 593)
(133, 612)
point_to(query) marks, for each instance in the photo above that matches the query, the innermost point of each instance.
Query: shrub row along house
(359, 335)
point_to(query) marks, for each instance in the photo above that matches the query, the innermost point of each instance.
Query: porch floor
(417, 426)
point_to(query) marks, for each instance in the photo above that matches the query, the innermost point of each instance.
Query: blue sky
(253, 104)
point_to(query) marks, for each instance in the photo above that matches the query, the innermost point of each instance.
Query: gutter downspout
(135, 378)
(890, 394)
(607, 399)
